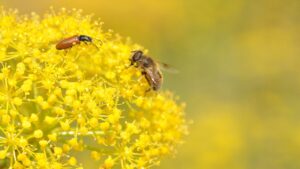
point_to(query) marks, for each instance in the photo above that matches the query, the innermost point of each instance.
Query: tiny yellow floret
(38, 133)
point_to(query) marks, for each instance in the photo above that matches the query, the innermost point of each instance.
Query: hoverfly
(150, 68)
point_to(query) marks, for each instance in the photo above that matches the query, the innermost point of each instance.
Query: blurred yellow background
(239, 63)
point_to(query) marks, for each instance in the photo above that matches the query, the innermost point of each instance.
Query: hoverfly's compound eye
(137, 56)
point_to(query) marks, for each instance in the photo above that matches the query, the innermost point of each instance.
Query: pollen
(56, 105)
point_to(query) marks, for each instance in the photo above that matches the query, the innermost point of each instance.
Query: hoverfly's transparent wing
(167, 68)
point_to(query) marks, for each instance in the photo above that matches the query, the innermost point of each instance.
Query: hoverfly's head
(136, 57)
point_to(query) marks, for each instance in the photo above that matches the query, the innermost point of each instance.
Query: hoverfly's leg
(131, 64)
(139, 79)
(148, 90)
(127, 66)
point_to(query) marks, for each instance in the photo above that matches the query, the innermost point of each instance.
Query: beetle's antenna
(95, 46)
(101, 42)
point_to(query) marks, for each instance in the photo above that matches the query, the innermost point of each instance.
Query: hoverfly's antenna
(134, 51)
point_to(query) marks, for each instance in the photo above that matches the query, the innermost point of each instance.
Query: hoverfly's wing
(151, 72)
(167, 68)
(154, 77)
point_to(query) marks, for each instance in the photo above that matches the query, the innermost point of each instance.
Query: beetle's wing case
(67, 43)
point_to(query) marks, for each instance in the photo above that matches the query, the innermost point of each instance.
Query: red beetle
(71, 41)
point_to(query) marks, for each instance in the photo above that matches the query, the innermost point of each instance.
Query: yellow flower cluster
(84, 99)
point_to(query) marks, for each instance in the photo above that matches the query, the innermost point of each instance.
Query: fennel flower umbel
(56, 105)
